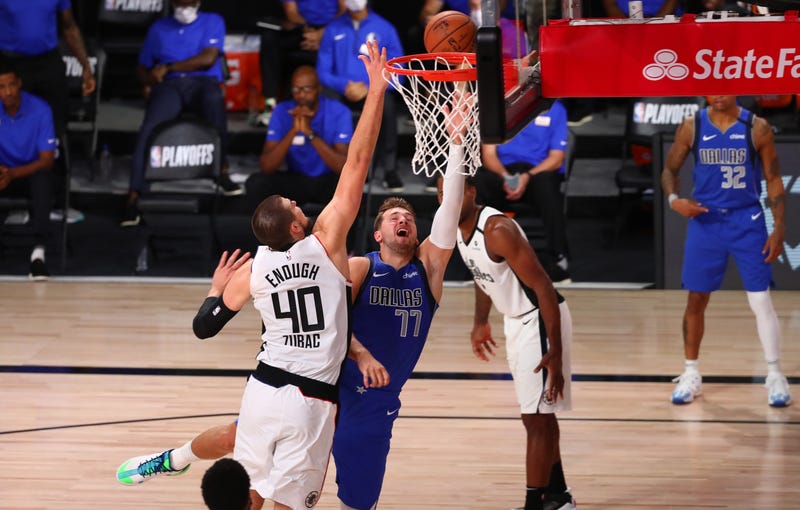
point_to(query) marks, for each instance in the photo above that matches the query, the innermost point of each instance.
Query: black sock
(533, 498)
(557, 483)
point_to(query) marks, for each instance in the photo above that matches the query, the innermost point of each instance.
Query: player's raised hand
(225, 269)
(374, 61)
(482, 342)
(457, 117)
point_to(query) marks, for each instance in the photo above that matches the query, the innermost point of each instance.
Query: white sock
(769, 329)
(37, 253)
(774, 367)
(691, 365)
(182, 457)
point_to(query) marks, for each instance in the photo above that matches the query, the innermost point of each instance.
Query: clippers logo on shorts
(662, 114)
(135, 5)
(74, 67)
(719, 65)
(311, 499)
(172, 156)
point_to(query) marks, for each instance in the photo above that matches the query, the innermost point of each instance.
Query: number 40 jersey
(304, 303)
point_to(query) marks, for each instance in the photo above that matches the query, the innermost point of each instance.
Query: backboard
(509, 95)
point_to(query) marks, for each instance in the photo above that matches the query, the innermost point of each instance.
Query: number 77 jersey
(727, 172)
(304, 302)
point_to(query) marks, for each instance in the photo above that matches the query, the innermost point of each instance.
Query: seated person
(180, 67)
(295, 44)
(650, 8)
(344, 77)
(310, 134)
(529, 168)
(27, 152)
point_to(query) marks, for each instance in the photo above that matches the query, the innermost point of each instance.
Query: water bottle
(105, 166)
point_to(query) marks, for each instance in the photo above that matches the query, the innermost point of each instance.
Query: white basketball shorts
(284, 442)
(524, 343)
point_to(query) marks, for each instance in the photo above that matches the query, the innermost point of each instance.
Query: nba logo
(638, 112)
(155, 156)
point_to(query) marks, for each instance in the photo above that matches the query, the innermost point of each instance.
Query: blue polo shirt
(30, 27)
(341, 44)
(24, 135)
(333, 122)
(316, 12)
(509, 11)
(649, 7)
(548, 131)
(168, 41)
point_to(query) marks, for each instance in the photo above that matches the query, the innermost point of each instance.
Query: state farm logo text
(720, 65)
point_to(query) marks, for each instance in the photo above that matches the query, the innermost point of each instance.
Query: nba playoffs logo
(134, 5)
(155, 156)
(665, 65)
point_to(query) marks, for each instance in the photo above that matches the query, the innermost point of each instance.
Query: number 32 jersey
(304, 303)
(726, 172)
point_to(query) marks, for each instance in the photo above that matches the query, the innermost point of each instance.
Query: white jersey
(511, 297)
(304, 301)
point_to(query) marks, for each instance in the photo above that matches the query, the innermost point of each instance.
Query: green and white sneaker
(140, 469)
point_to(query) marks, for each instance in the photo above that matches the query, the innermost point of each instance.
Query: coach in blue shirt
(308, 135)
(27, 148)
(29, 39)
(530, 168)
(181, 70)
(344, 77)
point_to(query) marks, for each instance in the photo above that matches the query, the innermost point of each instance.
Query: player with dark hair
(538, 332)
(725, 218)
(226, 486)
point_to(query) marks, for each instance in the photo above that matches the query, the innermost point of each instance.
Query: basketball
(450, 31)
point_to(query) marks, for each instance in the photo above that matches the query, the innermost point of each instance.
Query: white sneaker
(778, 390)
(690, 385)
(141, 469)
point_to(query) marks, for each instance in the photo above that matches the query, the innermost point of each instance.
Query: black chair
(184, 159)
(644, 118)
(82, 110)
(121, 29)
(15, 217)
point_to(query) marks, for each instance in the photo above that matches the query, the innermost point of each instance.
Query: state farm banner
(690, 57)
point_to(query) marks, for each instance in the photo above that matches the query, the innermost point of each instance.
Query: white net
(430, 90)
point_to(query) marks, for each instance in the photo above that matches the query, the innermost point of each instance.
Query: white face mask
(185, 15)
(355, 5)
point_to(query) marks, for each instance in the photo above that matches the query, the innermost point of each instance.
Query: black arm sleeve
(211, 317)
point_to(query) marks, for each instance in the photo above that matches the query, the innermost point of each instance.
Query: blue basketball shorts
(713, 236)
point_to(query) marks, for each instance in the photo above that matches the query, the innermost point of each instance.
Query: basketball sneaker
(563, 501)
(140, 469)
(778, 390)
(690, 385)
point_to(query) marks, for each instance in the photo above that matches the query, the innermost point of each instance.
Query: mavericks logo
(719, 65)
(171, 156)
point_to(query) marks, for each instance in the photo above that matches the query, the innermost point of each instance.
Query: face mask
(185, 15)
(355, 5)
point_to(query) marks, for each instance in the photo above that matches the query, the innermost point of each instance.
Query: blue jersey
(342, 43)
(548, 131)
(169, 41)
(392, 314)
(333, 122)
(727, 172)
(30, 27)
(27, 133)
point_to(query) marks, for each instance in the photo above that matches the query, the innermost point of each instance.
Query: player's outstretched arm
(230, 289)
(338, 216)
(483, 345)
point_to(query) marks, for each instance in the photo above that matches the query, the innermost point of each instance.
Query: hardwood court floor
(94, 373)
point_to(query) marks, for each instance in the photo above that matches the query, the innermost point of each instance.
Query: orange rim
(395, 66)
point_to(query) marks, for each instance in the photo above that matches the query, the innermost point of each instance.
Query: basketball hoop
(429, 82)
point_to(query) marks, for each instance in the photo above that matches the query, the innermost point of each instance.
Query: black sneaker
(558, 275)
(431, 184)
(392, 182)
(228, 187)
(39, 272)
(563, 501)
(130, 217)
